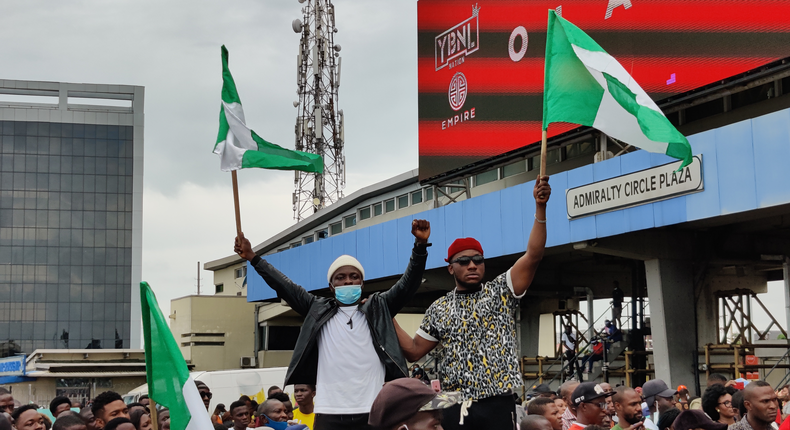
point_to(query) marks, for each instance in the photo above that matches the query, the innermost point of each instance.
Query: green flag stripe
(229, 93)
(271, 156)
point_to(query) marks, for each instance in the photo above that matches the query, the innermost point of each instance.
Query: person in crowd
(761, 405)
(286, 400)
(566, 392)
(696, 419)
(119, 423)
(659, 399)
(216, 417)
(535, 422)
(205, 393)
(628, 408)
(570, 344)
(305, 411)
(617, 303)
(545, 407)
(561, 405)
(108, 405)
(90, 420)
(141, 419)
(717, 378)
(59, 404)
(240, 415)
(737, 405)
(70, 421)
(271, 414)
(475, 324)
(163, 418)
(272, 390)
(717, 403)
(408, 404)
(666, 420)
(27, 418)
(6, 401)
(590, 402)
(344, 330)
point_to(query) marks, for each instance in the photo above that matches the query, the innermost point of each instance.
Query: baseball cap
(587, 391)
(656, 387)
(402, 398)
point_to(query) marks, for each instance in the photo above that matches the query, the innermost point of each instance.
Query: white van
(228, 385)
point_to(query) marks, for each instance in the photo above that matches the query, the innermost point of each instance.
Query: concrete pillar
(670, 288)
(530, 326)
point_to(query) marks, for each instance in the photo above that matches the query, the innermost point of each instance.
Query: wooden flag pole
(154, 414)
(542, 155)
(236, 201)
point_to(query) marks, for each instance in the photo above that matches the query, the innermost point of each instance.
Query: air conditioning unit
(247, 362)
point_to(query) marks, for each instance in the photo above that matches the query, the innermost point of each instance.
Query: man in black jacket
(346, 347)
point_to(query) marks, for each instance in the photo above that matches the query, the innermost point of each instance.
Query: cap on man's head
(588, 391)
(656, 387)
(402, 398)
(344, 260)
(462, 245)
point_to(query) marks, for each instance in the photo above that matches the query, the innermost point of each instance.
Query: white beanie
(344, 260)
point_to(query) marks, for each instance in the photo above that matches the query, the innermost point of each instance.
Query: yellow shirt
(306, 419)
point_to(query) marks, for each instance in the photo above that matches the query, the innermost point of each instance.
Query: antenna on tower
(319, 124)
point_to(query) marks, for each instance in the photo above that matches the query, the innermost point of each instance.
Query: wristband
(543, 221)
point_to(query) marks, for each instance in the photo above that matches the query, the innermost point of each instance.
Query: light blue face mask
(276, 425)
(348, 294)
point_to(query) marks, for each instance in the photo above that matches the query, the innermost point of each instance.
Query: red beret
(462, 245)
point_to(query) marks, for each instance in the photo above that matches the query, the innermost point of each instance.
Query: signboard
(480, 63)
(12, 366)
(649, 185)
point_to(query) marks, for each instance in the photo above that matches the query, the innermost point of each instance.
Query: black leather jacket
(378, 310)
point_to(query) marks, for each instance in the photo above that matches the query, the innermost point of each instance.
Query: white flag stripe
(200, 418)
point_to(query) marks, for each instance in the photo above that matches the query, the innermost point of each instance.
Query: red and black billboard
(481, 62)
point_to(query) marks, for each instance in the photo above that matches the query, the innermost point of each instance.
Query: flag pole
(543, 154)
(154, 414)
(236, 202)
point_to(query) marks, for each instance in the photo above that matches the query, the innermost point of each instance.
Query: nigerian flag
(585, 85)
(169, 383)
(239, 147)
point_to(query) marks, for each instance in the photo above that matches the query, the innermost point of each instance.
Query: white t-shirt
(350, 373)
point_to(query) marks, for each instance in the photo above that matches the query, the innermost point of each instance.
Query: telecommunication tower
(319, 123)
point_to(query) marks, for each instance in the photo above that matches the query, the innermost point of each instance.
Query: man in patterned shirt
(475, 323)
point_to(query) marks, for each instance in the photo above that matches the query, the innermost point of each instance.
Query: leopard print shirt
(478, 334)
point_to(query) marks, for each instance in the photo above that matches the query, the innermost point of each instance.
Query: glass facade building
(69, 225)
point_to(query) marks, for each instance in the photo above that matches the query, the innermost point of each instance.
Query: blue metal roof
(745, 167)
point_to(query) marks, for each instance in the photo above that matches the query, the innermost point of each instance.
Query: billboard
(480, 66)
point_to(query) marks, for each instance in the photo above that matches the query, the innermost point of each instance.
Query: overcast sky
(172, 48)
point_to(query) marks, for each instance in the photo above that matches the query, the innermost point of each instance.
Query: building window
(219, 288)
(514, 169)
(403, 201)
(364, 213)
(389, 205)
(377, 209)
(428, 193)
(486, 177)
(336, 228)
(416, 197)
(307, 239)
(241, 272)
(349, 221)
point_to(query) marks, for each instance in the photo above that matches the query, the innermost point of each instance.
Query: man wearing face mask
(345, 347)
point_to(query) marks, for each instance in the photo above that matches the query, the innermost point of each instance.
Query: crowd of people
(724, 405)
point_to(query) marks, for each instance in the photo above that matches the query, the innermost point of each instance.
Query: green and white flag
(585, 85)
(169, 383)
(239, 147)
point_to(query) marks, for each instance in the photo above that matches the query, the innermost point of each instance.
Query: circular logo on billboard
(457, 92)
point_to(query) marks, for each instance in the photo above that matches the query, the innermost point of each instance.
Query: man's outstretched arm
(522, 273)
(403, 290)
(413, 348)
(296, 296)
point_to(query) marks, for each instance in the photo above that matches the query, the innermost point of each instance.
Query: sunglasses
(464, 261)
(206, 395)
